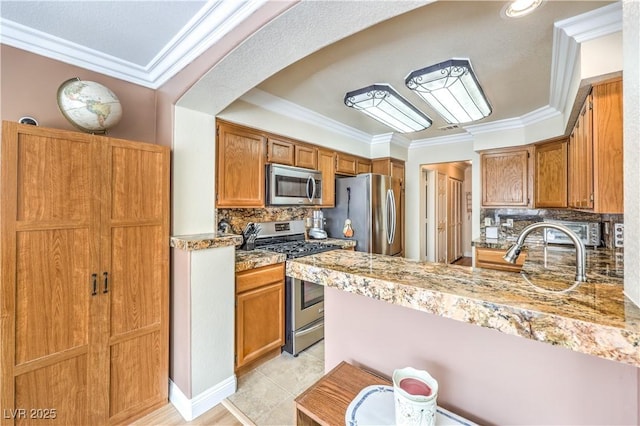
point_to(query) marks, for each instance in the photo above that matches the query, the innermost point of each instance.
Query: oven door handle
(310, 329)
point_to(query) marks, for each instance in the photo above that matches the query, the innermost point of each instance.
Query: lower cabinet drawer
(254, 278)
(492, 259)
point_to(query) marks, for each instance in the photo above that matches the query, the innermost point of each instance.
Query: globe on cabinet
(89, 106)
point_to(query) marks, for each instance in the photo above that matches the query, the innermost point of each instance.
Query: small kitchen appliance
(317, 231)
(588, 232)
(293, 186)
(304, 300)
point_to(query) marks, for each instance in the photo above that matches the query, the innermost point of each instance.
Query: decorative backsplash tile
(523, 217)
(238, 218)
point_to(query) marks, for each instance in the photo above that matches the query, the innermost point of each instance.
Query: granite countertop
(205, 241)
(345, 244)
(246, 260)
(595, 318)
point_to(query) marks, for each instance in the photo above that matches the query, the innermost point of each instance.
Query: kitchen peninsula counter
(595, 319)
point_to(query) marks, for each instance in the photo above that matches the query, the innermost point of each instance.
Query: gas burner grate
(295, 249)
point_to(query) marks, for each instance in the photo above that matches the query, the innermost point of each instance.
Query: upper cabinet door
(306, 157)
(326, 165)
(608, 173)
(551, 174)
(241, 162)
(281, 151)
(505, 175)
(346, 164)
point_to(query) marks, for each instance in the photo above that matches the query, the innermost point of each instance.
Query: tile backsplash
(524, 217)
(238, 218)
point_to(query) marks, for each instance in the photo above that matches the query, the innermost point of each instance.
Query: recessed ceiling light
(519, 8)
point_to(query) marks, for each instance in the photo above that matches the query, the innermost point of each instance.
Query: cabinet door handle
(106, 282)
(94, 280)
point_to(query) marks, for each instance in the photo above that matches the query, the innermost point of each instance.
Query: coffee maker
(317, 231)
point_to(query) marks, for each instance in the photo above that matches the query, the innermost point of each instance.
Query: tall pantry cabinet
(84, 277)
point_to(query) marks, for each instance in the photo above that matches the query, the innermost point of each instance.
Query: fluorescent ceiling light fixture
(519, 8)
(452, 89)
(384, 104)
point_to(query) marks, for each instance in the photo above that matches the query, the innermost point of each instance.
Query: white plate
(374, 406)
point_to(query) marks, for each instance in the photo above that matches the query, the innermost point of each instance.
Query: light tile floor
(265, 395)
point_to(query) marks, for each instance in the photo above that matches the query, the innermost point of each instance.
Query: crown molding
(594, 24)
(391, 138)
(281, 106)
(212, 22)
(209, 25)
(567, 36)
(442, 140)
(38, 42)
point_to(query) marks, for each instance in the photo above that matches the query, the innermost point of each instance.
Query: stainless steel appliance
(588, 232)
(288, 185)
(317, 230)
(369, 201)
(304, 300)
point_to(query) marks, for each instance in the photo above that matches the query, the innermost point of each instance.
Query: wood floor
(169, 416)
(463, 261)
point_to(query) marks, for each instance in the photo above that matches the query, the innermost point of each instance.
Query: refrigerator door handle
(389, 209)
(393, 216)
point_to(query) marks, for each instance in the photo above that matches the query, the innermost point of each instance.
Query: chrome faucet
(514, 251)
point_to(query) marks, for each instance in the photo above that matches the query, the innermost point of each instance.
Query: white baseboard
(189, 409)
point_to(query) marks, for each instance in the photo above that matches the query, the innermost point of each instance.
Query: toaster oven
(588, 232)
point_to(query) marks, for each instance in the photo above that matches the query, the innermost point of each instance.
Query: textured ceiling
(512, 57)
(134, 31)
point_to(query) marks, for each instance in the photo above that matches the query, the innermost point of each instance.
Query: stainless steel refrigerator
(372, 205)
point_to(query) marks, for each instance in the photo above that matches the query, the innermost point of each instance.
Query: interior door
(134, 274)
(441, 218)
(49, 307)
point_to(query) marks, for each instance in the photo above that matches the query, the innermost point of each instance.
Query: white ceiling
(147, 42)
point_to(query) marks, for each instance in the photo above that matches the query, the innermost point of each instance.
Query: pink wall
(29, 84)
(484, 375)
(180, 336)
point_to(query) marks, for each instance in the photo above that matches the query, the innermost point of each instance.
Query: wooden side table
(326, 402)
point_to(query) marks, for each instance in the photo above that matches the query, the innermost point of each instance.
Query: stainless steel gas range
(304, 300)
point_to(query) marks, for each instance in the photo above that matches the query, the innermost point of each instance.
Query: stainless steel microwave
(293, 186)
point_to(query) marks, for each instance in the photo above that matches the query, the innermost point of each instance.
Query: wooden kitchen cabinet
(363, 166)
(346, 164)
(240, 174)
(259, 313)
(326, 165)
(84, 284)
(306, 156)
(490, 258)
(596, 151)
(291, 153)
(506, 177)
(351, 165)
(580, 158)
(550, 171)
(281, 151)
